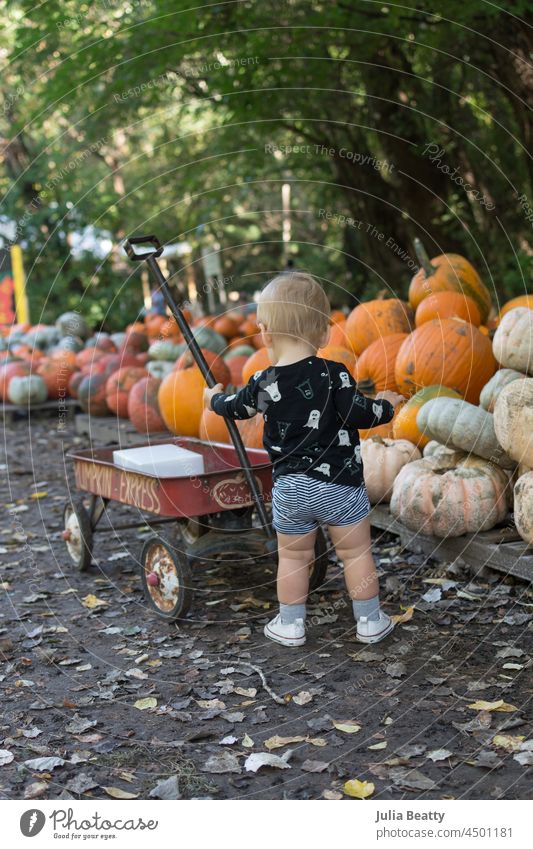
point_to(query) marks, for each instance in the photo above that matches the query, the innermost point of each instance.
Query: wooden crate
(501, 548)
(61, 408)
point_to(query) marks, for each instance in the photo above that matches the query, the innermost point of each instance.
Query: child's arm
(355, 409)
(242, 405)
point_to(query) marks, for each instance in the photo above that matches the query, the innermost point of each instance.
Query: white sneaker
(287, 635)
(374, 630)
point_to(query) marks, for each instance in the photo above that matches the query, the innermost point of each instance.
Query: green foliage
(157, 116)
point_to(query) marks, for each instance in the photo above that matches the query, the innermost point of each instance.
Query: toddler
(312, 409)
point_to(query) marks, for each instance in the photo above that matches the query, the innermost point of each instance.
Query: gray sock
(291, 612)
(368, 607)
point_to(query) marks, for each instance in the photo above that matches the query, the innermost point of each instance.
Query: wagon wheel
(166, 578)
(319, 566)
(192, 529)
(78, 534)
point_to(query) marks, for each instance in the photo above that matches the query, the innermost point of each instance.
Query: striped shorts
(300, 503)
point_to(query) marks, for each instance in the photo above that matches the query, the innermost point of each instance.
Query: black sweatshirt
(312, 410)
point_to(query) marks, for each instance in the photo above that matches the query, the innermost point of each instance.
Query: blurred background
(254, 136)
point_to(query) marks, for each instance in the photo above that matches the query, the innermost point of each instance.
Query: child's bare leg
(295, 554)
(354, 547)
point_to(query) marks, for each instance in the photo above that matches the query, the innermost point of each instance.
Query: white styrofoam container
(163, 461)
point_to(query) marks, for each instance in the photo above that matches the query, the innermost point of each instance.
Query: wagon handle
(157, 274)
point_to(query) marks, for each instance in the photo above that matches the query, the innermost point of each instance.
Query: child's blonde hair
(295, 304)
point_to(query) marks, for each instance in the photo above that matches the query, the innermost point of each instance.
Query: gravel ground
(128, 704)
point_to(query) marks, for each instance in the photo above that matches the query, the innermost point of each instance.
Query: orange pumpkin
(118, 387)
(154, 323)
(56, 374)
(136, 327)
(405, 426)
(374, 319)
(447, 273)
(226, 326)
(170, 330)
(374, 370)
(520, 301)
(236, 365)
(181, 401)
(252, 430)
(213, 428)
(338, 354)
(89, 356)
(449, 352)
(143, 409)
(337, 317)
(257, 362)
(16, 368)
(338, 335)
(218, 367)
(384, 430)
(64, 356)
(447, 305)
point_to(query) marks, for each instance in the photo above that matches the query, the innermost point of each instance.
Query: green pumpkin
(240, 351)
(73, 324)
(164, 350)
(26, 391)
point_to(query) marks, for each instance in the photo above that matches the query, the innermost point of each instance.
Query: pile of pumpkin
(449, 460)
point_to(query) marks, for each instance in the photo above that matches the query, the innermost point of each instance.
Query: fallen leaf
(509, 651)
(359, 789)
(247, 742)
(221, 763)
(332, 794)
(499, 705)
(38, 495)
(403, 617)
(396, 670)
(35, 789)
(228, 741)
(117, 793)
(302, 698)
(249, 692)
(79, 724)
(168, 789)
(439, 755)
(316, 741)
(277, 742)
(261, 759)
(411, 750)
(91, 602)
(6, 757)
(411, 778)
(378, 746)
(82, 783)
(508, 742)
(145, 704)
(487, 760)
(44, 764)
(524, 758)
(346, 727)
(209, 704)
(314, 766)
(433, 595)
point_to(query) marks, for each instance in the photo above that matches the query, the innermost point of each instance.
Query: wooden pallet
(64, 409)
(501, 548)
(110, 430)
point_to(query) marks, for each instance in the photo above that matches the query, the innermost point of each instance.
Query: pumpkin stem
(422, 256)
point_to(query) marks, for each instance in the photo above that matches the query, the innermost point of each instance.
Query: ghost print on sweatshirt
(312, 410)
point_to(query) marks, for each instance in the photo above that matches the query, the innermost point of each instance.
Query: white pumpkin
(465, 427)
(513, 341)
(513, 420)
(491, 390)
(27, 390)
(437, 449)
(523, 506)
(437, 497)
(382, 460)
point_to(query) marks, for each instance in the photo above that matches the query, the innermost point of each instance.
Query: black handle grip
(143, 240)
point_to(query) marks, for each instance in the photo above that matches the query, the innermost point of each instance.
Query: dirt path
(71, 676)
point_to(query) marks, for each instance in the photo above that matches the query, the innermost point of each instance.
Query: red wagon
(210, 515)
